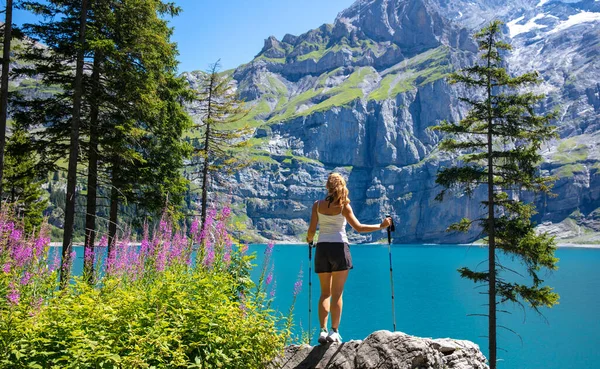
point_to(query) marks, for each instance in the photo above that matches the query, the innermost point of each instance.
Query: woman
(332, 257)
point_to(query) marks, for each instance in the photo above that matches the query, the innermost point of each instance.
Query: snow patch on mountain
(582, 17)
(516, 29)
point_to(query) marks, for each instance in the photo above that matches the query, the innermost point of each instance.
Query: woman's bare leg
(325, 280)
(338, 279)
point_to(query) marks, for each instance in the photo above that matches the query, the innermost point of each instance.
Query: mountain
(358, 96)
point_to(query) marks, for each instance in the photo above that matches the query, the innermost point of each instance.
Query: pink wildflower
(39, 245)
(13, 296)
(273, 289)
(226, 212)
(22, 254)
(88, 256)
(26, 278)
(209, 257)
(194, 227)
(298, 284)
(6, 268)
(16, 234)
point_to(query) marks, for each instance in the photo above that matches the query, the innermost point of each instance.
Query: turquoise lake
(433, 301)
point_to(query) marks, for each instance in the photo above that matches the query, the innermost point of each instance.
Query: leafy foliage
(497, 144)
(177, 301)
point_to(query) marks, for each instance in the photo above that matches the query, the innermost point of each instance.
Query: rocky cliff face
(359, 96)
(383, 350)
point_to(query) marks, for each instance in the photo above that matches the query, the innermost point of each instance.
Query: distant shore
(563, 245)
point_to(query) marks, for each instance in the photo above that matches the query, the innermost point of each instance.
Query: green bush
(174, 302)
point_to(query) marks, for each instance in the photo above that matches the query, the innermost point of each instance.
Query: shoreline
(560, 246)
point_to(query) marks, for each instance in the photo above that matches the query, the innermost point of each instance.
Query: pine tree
(7, 37)
(23, 181)
(132, 116)
(74, 141)
(144, 150)
(498, 144)
(219, 110)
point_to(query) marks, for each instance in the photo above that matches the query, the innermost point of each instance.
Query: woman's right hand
(386, 223)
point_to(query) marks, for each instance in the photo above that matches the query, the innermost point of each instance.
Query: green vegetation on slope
(419, 70)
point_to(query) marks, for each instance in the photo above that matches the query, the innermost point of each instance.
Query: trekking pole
(310, 246)
(391, 229)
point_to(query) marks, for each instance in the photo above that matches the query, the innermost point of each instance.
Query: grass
(340, 95)
(272, 60)
(417, 71)
(569, 152)
(569, 170)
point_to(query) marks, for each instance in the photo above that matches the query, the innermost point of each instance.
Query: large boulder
(385, 350)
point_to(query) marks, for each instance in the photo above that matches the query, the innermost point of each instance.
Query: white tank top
(332, 228)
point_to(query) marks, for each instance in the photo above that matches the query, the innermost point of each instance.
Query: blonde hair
(336, 185)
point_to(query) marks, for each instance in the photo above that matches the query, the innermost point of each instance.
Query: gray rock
(383, 350)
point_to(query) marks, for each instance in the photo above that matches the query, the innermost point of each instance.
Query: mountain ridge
(357, 96)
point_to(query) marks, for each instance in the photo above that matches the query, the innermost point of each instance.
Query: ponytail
(336, 185)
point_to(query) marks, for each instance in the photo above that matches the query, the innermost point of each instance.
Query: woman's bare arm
(312, 228)
(363, 228)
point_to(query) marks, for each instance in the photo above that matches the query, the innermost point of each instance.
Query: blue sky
(234, 30)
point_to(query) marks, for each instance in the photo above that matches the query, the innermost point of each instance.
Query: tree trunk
(92, 180)
(4, 87)
(74, 144)
(491, 225)
(207, 145)
(205, 176)
(114, 209)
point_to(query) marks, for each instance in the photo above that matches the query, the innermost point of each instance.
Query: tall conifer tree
(498, 144)
(74, 140)
(7, 37)
(219, 110)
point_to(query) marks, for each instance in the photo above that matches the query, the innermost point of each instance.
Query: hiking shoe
(323, 337)
(334, 337)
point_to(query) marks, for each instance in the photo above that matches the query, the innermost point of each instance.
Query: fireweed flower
(26, 278)
(298, 284)
(110, 261)
(103, 241)
(273, 289)
(6, 268)
(13, 294)
(221, 229)
(39, 245)
(55, 262)
(209, 257)
(15, 234)
(22, 254)
(244, 248)
(269, 249)
(161, 259)
(269, 276)
(194, 227)
(88, 256)
(226, 212)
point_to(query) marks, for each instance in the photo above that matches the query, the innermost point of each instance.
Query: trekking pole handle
(390, 229)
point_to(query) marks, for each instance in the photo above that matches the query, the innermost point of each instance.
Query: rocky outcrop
(385, 350)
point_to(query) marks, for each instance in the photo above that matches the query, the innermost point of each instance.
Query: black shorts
(332, 257)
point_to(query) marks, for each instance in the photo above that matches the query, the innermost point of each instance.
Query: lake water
(433, 301)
